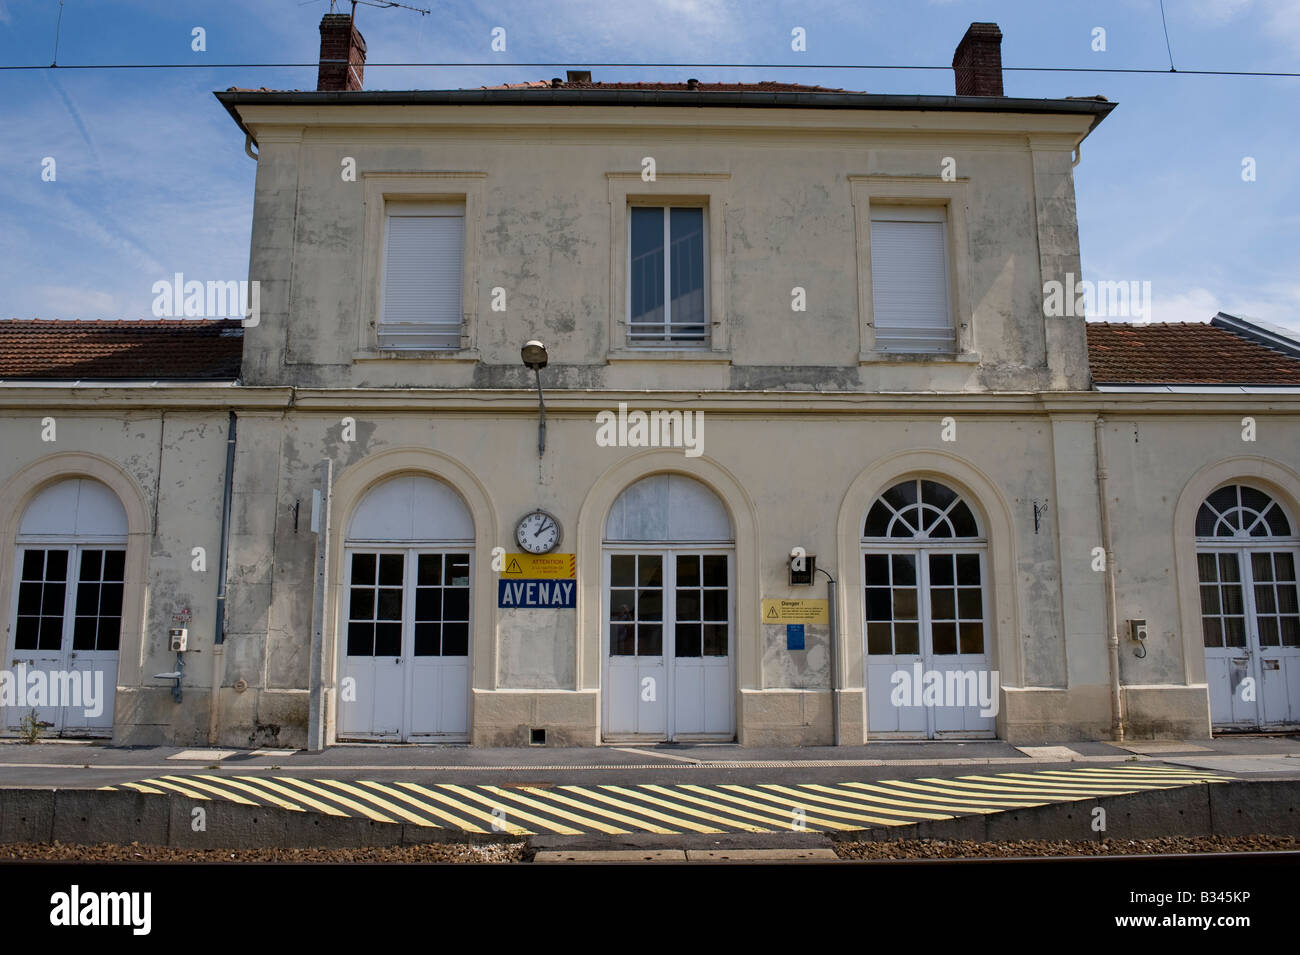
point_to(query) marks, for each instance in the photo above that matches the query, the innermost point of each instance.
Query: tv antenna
(383, 5)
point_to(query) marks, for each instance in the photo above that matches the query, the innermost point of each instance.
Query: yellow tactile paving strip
(678, 808)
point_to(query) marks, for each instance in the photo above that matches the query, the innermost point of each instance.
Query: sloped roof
(1183, 353)
(763, 86)
(166, 349)
(1186, 353)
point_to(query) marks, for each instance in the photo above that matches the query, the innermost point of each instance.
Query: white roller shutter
(909, 280)
(424, 258)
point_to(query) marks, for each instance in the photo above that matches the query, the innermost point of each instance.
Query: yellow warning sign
(541, 566)
(796, 611)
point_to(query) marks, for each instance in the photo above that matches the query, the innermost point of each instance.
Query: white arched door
(924, 560)
(1246, 556)
(66, 623)
(667, 612)
(404, 667)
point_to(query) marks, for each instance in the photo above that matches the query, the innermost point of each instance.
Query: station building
(776, 320)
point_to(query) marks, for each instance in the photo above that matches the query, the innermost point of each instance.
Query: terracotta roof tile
(170, 349)
(763, 86)
(1185, 353)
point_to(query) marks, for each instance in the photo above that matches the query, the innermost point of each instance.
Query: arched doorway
(1246, 556)
(667, 612)
(925, 569)
(404, 667)
(69, 579)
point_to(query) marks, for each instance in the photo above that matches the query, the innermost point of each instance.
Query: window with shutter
(910, 280)
(424, 255)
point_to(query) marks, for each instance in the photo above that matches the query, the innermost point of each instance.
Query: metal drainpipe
(1112, 621)
(219, 639)
(835, 668)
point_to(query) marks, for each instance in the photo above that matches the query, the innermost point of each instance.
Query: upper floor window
(667, 269)
(910, 280)
(424, 256)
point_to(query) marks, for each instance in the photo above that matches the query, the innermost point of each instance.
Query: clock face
(538, 532)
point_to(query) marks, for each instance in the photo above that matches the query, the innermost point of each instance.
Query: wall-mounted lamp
(534, 356)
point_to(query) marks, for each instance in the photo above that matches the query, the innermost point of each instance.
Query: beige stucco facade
(806, 422)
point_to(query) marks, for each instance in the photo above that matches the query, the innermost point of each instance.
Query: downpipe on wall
(1112, 622)
(219, 637)
(834, 655)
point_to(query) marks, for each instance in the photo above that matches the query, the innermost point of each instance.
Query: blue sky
(152, 178)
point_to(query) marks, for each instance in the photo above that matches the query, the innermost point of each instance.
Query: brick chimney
(342, 54)
(977, 64)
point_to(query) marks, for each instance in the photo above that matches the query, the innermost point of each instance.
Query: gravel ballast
(432, 852)
(939, 849)
(518, 852)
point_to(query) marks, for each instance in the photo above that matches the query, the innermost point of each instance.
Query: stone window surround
(383, 187)
(709, 190)
(922, 191)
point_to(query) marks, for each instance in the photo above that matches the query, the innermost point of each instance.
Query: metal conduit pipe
(1112, 621)
(219, 635)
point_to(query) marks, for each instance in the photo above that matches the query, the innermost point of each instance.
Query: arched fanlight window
(411, 507)
(920, 509)
(668, 507)
(1241, 511)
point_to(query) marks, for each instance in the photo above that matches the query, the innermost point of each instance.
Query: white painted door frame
(1273, 671)
(66, 658)
(879, 668)
(406, 667)
(621, 675)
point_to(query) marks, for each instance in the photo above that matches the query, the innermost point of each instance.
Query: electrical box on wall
(177, 638)
(803, 576)
(1137, 630)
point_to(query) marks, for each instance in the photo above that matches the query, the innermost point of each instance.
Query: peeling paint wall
(543, 236)
(175, 462)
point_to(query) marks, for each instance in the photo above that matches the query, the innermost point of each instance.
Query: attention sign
(516, 594)
(534, 566)
(796, 611)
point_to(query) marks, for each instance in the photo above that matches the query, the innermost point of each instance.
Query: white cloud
(1277, 303)
(1278, 20)
(1187, 305)
(1218, 10)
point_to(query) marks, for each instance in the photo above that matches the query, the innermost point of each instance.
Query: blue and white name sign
(516, 594)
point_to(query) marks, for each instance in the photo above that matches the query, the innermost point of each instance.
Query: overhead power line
(1168, 49)
(714, 66)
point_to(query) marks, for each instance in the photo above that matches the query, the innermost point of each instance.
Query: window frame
(397, 208)
(385, 190)
(925, 215)
(72, 585)
(922, 545)
(953, 198)
(664, 343)
(708, 191)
